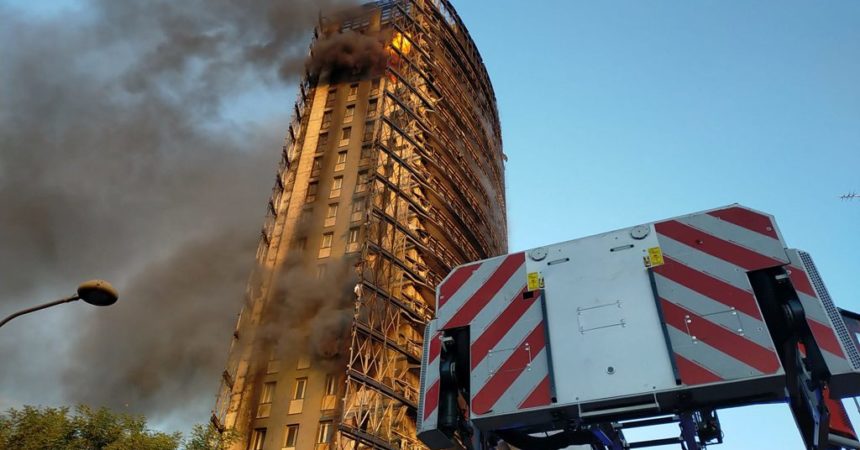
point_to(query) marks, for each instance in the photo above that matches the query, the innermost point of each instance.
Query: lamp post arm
(36, 308)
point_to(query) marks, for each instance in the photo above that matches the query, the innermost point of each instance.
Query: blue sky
(616, 113)
(621, 112)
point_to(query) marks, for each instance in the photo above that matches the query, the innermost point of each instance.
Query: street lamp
(94, 292)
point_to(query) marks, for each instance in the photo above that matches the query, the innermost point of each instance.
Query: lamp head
(98, 292)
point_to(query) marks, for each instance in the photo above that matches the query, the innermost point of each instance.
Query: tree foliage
(206, 437)
(32, 428)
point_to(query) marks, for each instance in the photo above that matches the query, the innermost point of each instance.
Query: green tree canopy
(32, 428)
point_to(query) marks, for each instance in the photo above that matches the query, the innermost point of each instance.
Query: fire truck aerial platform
(573, 343)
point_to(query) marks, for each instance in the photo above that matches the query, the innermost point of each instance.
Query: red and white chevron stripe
(509, 363)
(431, 403)
(714, 322)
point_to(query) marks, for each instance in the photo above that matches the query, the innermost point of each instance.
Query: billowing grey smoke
(121, 157)
(157, 349)
(310, 313)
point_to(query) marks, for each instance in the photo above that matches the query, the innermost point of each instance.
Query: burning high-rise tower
(392, 174)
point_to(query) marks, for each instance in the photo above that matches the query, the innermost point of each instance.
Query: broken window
(368, 132)
(315, 170)
(312, 192)
(331, 98)
(322, 142)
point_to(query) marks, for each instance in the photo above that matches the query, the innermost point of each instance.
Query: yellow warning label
(655, 257)
(535, 281)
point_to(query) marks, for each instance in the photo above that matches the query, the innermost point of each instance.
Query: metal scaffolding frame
(429, 213)
(434, 200)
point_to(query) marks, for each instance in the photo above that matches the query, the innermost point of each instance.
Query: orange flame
(402, 43)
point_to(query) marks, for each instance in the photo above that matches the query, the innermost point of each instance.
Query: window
(299, 391)
(336, 186)
(304, 362)
(366, 151)
(312, 192)
(321, 271)
(353, 91)
(298, 396)
(345, 134)
(352, 240)
(330, 385)
(331, 215)
(322, 143)
(315, 170)
(368, 132)
(361, 185)
(291, 436)
(324, 434)
(340, 164)
(258, 438)
(265, 407)
(374, 87)
(349, 114)
(357, 211)
(329, 400)
(331, 98)
(326, 121)
(332, 210)
(371, 108)
(268, 392)
(325, 246)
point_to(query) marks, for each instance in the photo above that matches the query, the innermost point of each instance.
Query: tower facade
(392, 174)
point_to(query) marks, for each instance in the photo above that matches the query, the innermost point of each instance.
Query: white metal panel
(599, 298)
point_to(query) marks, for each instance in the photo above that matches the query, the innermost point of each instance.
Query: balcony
(296, 406)
(328, 402)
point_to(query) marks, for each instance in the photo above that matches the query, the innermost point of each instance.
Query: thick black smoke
(351, 52)
(118, 159)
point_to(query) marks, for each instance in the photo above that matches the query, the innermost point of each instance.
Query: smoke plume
(171, 334)
(310, 312)
(351, 52)
(121, 157)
